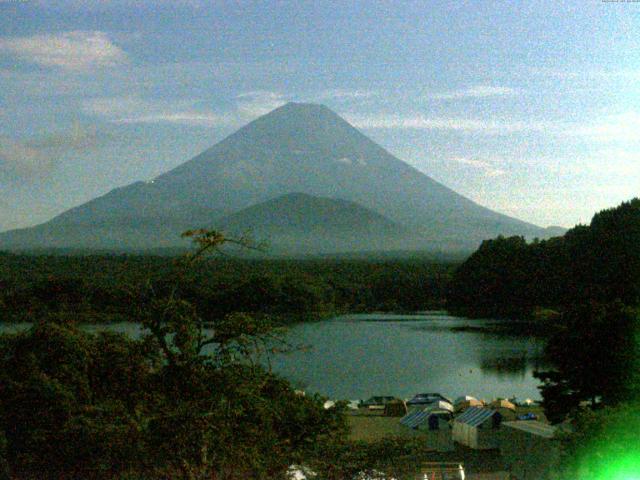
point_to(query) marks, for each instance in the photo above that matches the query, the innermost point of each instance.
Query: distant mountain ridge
(303, 148)
(301, 223)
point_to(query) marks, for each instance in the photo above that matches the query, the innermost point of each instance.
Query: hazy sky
(531, 108)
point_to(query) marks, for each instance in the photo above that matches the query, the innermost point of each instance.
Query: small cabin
(426, 419)
(477, 428)
(464, 398)
(505, 408)
(440, 405)
(434, 427)
(427, 398)
(463, 405)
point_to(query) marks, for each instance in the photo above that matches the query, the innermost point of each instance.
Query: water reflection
(361, 356)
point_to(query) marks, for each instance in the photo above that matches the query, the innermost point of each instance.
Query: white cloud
(203, 119)
(478, 91)
(345, 160)
(590, 75)
(421, 122)
(133, 109)
(623, 127)
(259, 102)
(343, 94)
(487, 167)
(261, 94)
(614, 161)
(608, 129)
(75, 50)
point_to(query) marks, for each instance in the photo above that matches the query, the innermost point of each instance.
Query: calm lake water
(357, 356)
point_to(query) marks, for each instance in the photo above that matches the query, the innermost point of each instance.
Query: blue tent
(432, 418)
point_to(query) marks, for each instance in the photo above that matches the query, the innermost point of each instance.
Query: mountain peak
(294, 128)
(303, 106)
(302, 112)
(298, 147)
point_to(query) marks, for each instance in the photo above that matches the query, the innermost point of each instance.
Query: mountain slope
(295, 148)
(301, 223)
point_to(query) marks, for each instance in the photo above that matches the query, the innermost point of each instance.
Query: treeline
(102, 288)
(599, 263)
(188, 400)
(588, 283)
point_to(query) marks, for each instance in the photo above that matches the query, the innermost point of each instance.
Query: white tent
(440, 405)
(464, 398)
(462, 406)
(329, 404)
(477, 428)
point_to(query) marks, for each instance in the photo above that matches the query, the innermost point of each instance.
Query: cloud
(488, 168)
(75, 50)
(618, 128)
(35, 158)
(611, 128)
(587, 75)
(478, 91)
(202, 119)
(345, 160)
(114, 107)
(342, 94)
(19, 161)
(421, 122)
(259, 102)
(622, 162)
(260, 94)
(133, 109)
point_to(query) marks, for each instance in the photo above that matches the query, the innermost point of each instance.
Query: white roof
(464, 398)
(533, 427)
(439, 405)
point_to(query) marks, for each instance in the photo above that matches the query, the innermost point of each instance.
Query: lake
(357, 356)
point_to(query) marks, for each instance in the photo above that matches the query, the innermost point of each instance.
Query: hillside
(296, 148)
(597, 263)
(301, 223)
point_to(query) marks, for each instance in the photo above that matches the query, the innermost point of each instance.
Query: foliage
(595, 354)
(599, 263)
(105, 288)
(182, 402)
(591, 277)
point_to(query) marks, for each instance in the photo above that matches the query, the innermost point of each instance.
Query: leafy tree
(189, 400)
(594, 353)
(494, 280)
(58, 413)
(597, 263)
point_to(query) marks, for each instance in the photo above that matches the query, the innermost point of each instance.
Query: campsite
(476, 442)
